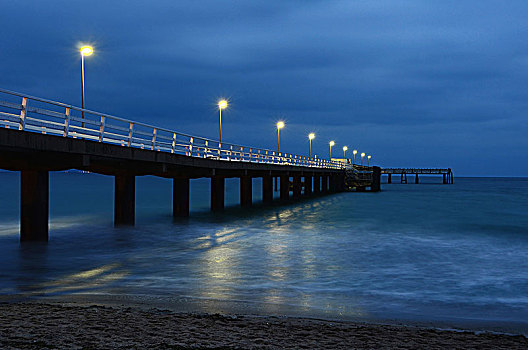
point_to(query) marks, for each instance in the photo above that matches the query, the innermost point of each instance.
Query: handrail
(82, 123)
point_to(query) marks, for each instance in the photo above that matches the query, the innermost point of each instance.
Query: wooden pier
(38, 136)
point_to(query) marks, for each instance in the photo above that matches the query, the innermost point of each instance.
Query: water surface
(425, 252)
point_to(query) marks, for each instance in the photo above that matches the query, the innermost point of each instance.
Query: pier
(447, 174)
(38, 136)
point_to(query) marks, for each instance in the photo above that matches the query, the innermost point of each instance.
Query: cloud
(395, 71)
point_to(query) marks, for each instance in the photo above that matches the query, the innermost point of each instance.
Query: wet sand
(67, 326)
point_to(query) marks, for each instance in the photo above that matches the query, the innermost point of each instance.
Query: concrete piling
(267, 189)
(34, 205)
(180, 197)
(284, 187)
(217, 193)
(246, 191)
(297, 187)
(125, 200)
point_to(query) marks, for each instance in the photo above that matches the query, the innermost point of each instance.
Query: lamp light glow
(345, 148)
(311, 136)
(280, 125)
(222, 104)
(86, 50)
(331, 143)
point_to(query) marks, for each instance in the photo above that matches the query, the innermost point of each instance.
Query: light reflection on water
(417, 251)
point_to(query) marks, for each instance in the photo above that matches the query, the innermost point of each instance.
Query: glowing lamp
(86, 50)
(222, 104)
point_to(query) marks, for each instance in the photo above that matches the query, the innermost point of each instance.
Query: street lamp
(222, 104)
(362, 155)
(332, 143)
(368, 159)
(280, 125)
(311, 136)
(345, 148)
(85, 51)
(354, 152)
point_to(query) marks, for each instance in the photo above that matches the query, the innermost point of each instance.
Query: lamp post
(280, 125)
(222, 104)
(368, 159)
(85, 51)
(332, 143)
(311, 136)
(362, 155)
(345, 148)
(354, 152)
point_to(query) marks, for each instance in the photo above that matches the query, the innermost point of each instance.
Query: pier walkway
(38, 136)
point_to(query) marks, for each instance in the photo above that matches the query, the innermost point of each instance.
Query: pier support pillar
(217, 193)
(34, 205)
(342, 182)
(317, 184)
(297, 186)
(333, 183)
(376, 179)
(324, 183)
(416, 181)
(451, 176)
(444, 179)
(284, 187)
(246, 191)
(180, 197)
(124, 200)
(308, 185)
(403, 178)
(267, 189)
(389, 180)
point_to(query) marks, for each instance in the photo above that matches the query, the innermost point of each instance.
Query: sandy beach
(56, 326)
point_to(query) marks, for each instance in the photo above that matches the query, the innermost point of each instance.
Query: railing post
(67, 122)
(22, 124)
(101, 129)
(205, 148)
(173, 142)
(154, 138)
(230, 152)
(130, 132)
(191, 146)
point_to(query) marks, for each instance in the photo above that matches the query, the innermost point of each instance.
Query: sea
(428, 253)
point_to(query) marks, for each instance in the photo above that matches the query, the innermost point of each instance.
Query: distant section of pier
(447, 174)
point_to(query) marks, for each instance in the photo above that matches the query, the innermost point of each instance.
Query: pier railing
(28, 113)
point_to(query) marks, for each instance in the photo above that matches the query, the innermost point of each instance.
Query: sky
(412, 83)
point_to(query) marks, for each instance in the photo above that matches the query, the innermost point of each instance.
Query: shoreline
(48, 324)
(193, 305)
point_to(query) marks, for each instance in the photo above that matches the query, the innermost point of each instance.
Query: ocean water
(427, 252)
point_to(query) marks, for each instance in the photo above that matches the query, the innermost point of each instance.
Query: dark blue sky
(414, 83)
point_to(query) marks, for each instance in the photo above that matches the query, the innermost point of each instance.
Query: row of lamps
(223, 104)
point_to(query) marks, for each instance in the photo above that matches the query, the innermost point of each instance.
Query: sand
(50, 326)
